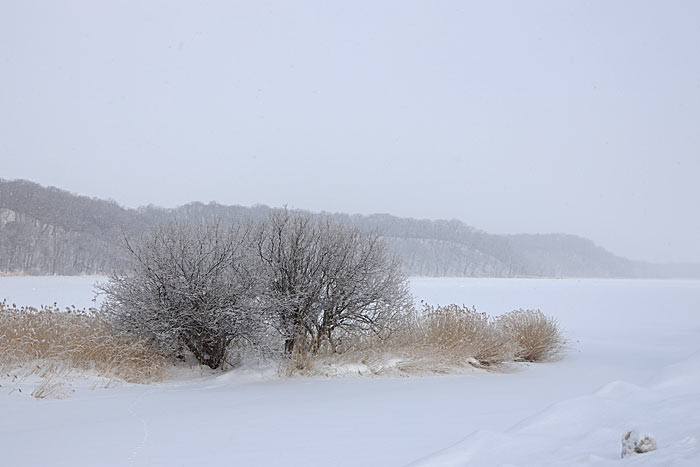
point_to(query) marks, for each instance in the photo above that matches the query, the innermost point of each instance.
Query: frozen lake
(45, 290)
(625, 338)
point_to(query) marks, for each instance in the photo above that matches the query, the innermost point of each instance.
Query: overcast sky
(576, 117)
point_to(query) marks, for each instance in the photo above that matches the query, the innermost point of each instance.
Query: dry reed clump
(537, 336)
(76, 338)
(460, 334)
(439, 340)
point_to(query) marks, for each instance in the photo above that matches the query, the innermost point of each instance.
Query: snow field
(633, 363)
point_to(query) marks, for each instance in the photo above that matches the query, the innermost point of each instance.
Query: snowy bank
(587, 430)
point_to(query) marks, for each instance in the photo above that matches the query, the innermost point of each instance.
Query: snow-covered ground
(634, 362)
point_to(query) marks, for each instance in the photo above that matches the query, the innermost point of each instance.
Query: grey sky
(577, 117)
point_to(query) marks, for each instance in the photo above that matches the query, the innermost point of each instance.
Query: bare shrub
(187, 288)
(321, 280)
(76, 338)
(537, 336)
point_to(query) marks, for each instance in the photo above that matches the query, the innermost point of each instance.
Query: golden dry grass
(437, 340)
(50, 343)
(75, 339)
(459, 334)
(537, 336)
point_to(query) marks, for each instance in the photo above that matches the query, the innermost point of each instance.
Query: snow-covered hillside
(633, 362)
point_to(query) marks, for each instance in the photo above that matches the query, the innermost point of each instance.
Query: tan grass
(460, 334)
(75, 339)
(50, 388)
(537, 336)
(438, 340)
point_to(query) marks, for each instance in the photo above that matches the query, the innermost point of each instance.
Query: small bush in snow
(634, 442)
(537, 337)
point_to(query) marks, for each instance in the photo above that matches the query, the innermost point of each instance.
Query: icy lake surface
(633, 362)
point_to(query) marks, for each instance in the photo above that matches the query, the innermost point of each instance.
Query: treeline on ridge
(46, 230)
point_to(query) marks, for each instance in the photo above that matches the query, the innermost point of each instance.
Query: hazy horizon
(513, 117)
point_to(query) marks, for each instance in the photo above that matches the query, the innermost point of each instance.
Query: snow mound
(679, 378)
(586, 430)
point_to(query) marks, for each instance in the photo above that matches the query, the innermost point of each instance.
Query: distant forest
(46, 230)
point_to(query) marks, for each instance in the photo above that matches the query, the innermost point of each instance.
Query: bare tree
(188, 286)
(321, 277)
(364, 286)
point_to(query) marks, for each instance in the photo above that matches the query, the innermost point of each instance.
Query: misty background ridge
(47, 230)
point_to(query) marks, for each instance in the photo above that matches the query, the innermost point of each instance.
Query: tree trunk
(209, 352)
